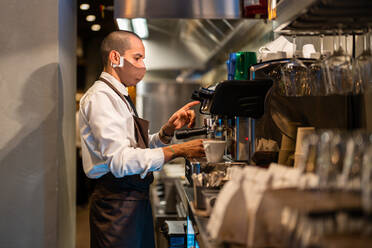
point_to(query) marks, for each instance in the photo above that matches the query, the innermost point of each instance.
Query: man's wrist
(173, 151)
(166, 138)
(167, 130)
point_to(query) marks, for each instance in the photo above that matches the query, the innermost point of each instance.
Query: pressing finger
(190, 104)
(173, 118)
(192, 118)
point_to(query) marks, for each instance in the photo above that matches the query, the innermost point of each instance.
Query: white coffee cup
(214, 150)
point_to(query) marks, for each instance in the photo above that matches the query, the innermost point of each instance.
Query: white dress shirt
(108, 136)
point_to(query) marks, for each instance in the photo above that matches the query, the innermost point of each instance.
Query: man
(117, 150)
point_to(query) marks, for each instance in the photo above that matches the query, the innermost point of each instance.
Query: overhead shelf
(309, 17)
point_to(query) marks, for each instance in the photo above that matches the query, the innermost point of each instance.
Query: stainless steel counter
(185, 191)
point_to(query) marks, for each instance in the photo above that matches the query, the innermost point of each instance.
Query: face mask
(128, 73)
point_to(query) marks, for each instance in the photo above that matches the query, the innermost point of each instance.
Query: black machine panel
(243, 98)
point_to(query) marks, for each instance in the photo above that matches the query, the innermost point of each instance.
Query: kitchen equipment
(281, 111)
(243, 60)
(200, 165)
(255, 9)
(175, 232)
(224, 103)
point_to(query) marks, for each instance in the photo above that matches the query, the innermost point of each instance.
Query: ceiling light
(140, 27)
(95, 27)
(124, 24)
(84, 6)
(90, 18)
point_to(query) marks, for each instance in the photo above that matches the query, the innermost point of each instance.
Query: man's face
(136, 54)
(134, 68)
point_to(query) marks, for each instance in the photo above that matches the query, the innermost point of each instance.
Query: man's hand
(184, 116)
(190, 149)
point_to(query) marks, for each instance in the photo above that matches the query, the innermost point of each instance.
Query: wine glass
(294, 75)
(363, 67)
(316, 75)
(338, 70)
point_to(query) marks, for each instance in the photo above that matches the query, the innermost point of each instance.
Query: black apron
(120, 211)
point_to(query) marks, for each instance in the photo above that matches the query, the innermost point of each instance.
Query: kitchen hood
(197, 9)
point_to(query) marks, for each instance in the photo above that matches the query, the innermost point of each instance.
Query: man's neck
(112, 72)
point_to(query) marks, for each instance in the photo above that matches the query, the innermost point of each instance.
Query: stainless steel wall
(156, 101)
(37, 129)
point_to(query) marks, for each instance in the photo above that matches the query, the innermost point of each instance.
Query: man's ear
(115, 59)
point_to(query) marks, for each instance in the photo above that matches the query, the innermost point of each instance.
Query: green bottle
(244, 60)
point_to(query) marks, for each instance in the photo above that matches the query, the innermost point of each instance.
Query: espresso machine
(223, 104)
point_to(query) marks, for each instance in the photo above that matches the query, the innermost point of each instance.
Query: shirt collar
(118, 85)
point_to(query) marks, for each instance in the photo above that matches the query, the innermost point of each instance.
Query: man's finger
(190, 104)
(184, 114)
(192, 118)
(173, 118)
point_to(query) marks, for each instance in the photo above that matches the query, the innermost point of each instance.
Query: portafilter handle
(187, 133)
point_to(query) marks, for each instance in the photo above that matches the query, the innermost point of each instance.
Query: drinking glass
(367, 181)
(323, 159)
(337, 155)
(316, 75)
(330, 159)
(352, 168)
(294, 75)
(338, 70)
(363, 67)
(310, 151)
(367, 190)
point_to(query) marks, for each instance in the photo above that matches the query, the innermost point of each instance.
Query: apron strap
(124, 98)
(131, 104)
(141, 126)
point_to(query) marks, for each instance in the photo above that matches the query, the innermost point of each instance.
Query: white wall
(37, 153)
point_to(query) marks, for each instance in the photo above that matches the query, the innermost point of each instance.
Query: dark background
(89, 40)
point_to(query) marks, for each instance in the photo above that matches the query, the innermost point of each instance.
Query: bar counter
(270, 212)
(185, 192)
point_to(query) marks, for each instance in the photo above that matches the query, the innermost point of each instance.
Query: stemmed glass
(316, 80)
(294, 75)
(338, 71)
(363, 67)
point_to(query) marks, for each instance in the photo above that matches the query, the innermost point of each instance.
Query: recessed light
(84, 6)
(95, 27)
(140, 27)
(124, 24)
(90, 18)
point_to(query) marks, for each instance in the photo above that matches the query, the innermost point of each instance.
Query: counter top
(186, 194)
(308, 203)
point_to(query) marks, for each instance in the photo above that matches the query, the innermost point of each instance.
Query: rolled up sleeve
(155, 141)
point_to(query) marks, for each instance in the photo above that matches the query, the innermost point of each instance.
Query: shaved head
(119, 41)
